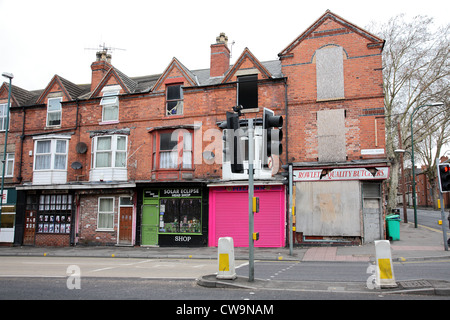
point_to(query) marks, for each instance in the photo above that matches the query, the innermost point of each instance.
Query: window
(105, 219)
(174, 99)
(110, 152)
(55, 213)
(54, 112)
(110, 106)
(248, 91)
(173, 149)
(9, 170)
(3, 116)
(181, 216)
(330, 73)
(50, 155)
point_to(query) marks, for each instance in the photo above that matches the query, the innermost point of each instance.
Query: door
(30, 227)
(125, 225)
(150, 223)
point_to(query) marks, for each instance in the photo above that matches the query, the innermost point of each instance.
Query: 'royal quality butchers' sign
(378, 173)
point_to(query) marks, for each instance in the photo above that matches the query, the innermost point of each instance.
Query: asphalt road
(58, 278)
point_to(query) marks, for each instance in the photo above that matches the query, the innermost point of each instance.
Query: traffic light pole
(251, 156)
(444, 229)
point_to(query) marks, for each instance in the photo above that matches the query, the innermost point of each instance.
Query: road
(58, 278)
(427, 217)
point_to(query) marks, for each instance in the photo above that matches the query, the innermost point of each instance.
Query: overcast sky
(39, 39)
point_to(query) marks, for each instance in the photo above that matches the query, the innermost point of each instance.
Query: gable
(330, 24)
(55, 87)
(175, 72)
(246, 64)
(115, 77)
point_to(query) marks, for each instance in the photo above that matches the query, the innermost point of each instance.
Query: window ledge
(109, 122)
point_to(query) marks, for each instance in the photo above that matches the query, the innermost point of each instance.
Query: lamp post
(412, 157)
(10, 76)
(401, 152)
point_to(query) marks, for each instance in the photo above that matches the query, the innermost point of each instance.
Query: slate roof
(141, 84)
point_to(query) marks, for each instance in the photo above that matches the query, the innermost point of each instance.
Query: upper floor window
(110, 105)
(330, 73)
(248, 91)
(54, 112)
(172, 149)
(109, 151)
(3, 116)
(9, 169)
(174, 99)
(50, 155)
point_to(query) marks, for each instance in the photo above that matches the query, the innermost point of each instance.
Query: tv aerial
(104, 48)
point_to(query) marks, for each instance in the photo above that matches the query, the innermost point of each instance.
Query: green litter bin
(393, 227)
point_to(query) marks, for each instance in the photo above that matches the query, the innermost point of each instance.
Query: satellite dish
(81, 147)
(76, 165)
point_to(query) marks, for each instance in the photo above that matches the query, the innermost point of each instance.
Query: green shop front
(174, 216)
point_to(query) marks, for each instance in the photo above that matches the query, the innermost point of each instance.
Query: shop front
(174, 216)
(8, 215)
(228, 207)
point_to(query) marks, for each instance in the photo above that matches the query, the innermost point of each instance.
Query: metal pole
(412, 158)
(413, 169)
(251, 155)
(10, 76)
(444, 229)
(291, 236)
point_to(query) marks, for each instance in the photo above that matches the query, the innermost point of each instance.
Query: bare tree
(416, 72)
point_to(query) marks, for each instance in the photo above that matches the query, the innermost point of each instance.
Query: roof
(141, 84)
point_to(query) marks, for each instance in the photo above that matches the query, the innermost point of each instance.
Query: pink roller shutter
(229, 218)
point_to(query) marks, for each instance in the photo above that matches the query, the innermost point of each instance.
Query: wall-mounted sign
(341, 174)
(181, 192)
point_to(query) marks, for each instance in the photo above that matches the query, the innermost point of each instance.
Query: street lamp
(10, 76)
(436, 104)
(401, 152)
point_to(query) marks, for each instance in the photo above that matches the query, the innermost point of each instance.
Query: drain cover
(415, 284)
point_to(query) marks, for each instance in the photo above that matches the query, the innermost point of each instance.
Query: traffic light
(444, 177)
(273, 134)
(232, 151)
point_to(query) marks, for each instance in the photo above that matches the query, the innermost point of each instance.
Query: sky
(39, 39)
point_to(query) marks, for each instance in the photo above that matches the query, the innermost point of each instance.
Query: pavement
(415, 244)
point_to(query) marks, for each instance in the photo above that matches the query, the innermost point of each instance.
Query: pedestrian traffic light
(232, 151)
(272, 133)
(444, 177)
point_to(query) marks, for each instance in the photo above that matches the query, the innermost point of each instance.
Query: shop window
(248, 91)
(174, 99)
(172, 149)
(54, 112)
(180, 216)
(105, 219)
(54, 213)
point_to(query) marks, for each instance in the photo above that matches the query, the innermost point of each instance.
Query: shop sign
(341, 174)
(181, 192)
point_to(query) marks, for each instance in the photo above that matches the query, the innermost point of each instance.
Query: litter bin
(393, 227)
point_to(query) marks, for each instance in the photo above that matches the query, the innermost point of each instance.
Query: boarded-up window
(331, 135)
(330, 73)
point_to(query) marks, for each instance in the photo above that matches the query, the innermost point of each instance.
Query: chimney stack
(220, 56)
(100, 67)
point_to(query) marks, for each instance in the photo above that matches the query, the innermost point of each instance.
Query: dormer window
(110, 106)
(174, 99)
(54, 112)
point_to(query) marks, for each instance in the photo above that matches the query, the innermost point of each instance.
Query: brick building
(138, 160)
